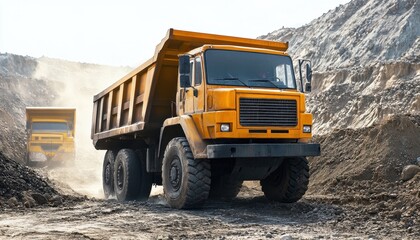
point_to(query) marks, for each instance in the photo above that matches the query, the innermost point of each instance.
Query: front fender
(179, 127)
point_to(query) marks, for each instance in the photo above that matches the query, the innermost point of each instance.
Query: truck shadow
(258, 210)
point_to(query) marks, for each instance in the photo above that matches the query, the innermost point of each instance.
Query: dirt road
(248, 217)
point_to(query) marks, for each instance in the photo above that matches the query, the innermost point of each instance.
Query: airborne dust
(75, 85)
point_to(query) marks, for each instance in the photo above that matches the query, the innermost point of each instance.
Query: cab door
(188, 93)
(193, 96)
(198, 91)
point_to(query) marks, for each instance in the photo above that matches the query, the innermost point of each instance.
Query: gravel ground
(244, 218)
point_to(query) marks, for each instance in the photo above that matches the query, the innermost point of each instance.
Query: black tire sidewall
(178, 197)
(126, 158)
(194, 184)
(109, 159)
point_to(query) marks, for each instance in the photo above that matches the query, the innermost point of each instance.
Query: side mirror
(184, 71)
(308, 73)
(308, 87)
(184, 65)
(28, 128)
(184, 81)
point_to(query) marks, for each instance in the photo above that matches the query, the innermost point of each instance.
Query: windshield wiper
(232, 78)
(264, 80)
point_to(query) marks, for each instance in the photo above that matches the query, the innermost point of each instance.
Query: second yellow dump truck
(204, 114)
(50, 135)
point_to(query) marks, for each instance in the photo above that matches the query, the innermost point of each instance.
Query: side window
(197, 73)
(281, 74)
(284, 75)
(191, 71)
(289, 76)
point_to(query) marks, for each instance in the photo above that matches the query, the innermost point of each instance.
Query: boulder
(29, 202)
(39, 198)
(13, 202)
(56, 200)
(286, 237)
(409, 172)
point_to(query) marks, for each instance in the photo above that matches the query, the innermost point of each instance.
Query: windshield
(50, 127)
(224, 67)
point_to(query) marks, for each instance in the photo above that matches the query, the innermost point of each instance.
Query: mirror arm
(300, 62)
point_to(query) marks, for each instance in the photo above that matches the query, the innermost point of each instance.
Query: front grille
(267, 112)
(50, 147)
(50, 138)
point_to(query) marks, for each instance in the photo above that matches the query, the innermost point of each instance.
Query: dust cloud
(76, 84)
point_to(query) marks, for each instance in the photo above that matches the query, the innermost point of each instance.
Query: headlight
(225, 127)
(307, 128)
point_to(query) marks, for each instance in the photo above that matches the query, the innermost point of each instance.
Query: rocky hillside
(17, 90)
(357, 33)
(31, 82)
(366, 58)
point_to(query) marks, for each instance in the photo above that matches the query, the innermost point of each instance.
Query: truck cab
(243, 93)
(50, 136)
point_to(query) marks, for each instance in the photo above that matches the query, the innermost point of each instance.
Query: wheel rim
(175, 174)
(120, 176)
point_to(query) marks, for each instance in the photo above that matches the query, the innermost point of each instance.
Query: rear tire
(185, 180)
(289, 182)
(224, 188)
(131, 180)
(108, 173)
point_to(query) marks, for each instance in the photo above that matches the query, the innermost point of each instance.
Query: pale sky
(126, 32)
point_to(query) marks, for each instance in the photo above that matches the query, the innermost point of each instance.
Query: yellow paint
(51, 145)
(191, 127)
(222, 105)
(159, 102)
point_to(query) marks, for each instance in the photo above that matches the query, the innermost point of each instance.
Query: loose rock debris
(22, 187)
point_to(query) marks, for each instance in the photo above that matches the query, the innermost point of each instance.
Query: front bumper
(261, 150)
(50, 156)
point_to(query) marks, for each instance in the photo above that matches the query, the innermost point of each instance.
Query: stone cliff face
(356, 34)
(366, 61)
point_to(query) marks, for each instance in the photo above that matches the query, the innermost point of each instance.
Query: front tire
(185, 180)
(131, 181)
(289, 182)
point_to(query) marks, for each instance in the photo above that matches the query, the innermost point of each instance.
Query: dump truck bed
(140, 101)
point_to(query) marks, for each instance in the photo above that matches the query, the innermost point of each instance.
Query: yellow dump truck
(50, 135)
(204, 114)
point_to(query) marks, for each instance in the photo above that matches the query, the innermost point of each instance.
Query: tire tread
(198, 179)
(289, 188)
